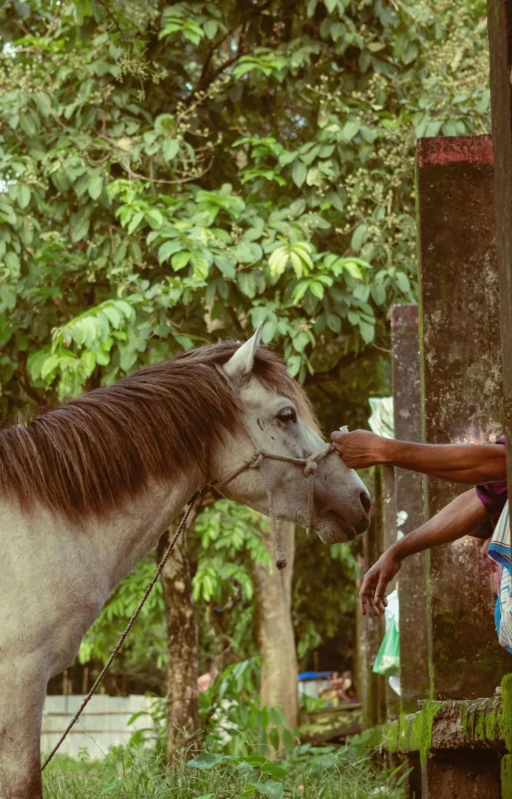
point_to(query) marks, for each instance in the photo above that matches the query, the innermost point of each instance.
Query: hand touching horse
(86, 491)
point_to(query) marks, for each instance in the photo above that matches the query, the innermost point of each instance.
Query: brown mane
(87, 455)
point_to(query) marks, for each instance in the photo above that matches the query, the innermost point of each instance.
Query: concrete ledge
(464, 724)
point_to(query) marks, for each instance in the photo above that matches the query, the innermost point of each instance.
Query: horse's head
(278, 420)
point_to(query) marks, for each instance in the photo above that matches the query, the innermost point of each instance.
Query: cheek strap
(309, 465)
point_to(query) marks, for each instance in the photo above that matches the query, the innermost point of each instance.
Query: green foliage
(311, 773)
(232, 722)
(329, 573)
(232, 719)
(213, 168)
(230, 542)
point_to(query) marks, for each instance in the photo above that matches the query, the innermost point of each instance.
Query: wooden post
(388, 516)
(461, 387)
(370, 630)
(410, 514)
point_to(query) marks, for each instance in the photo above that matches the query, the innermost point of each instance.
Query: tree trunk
(182, 691)
(275, 629)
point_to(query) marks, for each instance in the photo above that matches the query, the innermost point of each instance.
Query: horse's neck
(133, 530)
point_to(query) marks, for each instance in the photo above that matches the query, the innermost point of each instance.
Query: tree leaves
(298, 253)
(167, 249)
(350, 129)
(299, 172)
(170, 149)
(80, 230)
(95, 186)
(193, 200)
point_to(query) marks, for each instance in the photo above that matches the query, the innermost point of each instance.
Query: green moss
(482, 722)
(506, 717)
(411, 733)
(506, 777)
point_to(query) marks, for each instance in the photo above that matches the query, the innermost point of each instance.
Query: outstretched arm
(461, 463)
(462, 516)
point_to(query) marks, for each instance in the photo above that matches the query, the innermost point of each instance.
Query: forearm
(461, 517)
(463, 463)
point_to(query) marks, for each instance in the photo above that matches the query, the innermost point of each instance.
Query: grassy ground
(310, 774)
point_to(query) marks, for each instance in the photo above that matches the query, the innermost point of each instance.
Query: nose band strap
(309, 465)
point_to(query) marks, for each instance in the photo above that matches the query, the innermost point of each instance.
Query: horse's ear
(240, 364)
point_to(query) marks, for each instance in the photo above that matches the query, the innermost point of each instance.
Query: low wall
(103, 724)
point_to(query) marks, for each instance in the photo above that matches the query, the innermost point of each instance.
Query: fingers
(372, 596)
(337, 440)
(367, 594)
(380, 593)
(356, 448)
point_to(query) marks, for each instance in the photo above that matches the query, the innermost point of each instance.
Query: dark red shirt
(493, 495)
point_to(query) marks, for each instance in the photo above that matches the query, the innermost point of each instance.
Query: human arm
(461, 463)
(462, 516)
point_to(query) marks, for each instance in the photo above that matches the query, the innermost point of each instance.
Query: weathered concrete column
(461, 399)
(499, 16)
(461, 387)
(412, 583)
(462, 774)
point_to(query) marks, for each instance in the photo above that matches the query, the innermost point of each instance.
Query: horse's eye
(287, 415)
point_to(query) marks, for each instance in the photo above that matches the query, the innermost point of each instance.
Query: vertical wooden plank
(461, 393)
(388, 515)
(499, 18)
(370, 630)
(412, 582)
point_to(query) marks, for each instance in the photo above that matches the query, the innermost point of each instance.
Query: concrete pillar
(499, 18)
(412, 582)
(461, 394)
(462, 774)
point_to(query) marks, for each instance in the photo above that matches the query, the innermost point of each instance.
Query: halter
(310, 466)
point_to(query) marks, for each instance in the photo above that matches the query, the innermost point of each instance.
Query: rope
(129, 626)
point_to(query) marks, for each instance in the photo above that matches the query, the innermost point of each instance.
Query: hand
(360, 449)
(372, 595)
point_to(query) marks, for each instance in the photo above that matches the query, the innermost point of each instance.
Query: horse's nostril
(365, 502)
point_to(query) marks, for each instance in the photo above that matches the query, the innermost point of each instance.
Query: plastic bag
(387, 661)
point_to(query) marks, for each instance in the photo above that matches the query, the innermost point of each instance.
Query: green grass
(325, 773)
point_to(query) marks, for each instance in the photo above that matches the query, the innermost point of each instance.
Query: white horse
(86, 491)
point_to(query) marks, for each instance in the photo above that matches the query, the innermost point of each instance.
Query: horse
(87, 489)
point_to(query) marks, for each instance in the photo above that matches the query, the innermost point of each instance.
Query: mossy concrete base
(473, 724)
(506, 777)
(441, 732)
(506, 724)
